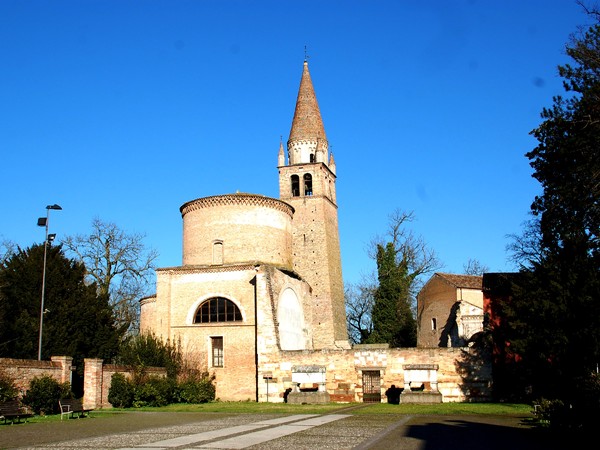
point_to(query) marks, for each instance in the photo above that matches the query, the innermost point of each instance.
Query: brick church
(259, 297)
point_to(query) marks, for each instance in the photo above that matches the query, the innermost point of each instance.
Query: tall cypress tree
(393, 321)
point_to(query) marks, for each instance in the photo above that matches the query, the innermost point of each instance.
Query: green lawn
(448, 408)
(346, 408)
(351, 408)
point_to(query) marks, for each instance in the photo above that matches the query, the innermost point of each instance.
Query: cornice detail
(225, 268)
(236, 200)
(208, 269)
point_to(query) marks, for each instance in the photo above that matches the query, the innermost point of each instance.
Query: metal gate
(371, 386)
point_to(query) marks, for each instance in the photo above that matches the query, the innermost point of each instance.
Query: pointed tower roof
(307, 123)
(331, 163)
(281, 156)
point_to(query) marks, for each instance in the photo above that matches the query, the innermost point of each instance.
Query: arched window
(312, 157)
(295, 186)
(308, 184)
(217, 309)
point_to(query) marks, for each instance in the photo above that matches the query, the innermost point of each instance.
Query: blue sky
(125, 110)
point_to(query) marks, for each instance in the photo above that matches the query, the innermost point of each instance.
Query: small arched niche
(217, 253)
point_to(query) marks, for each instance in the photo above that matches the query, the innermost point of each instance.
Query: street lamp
(43, 222)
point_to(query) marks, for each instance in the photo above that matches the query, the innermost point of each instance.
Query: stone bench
(308, 375)
(420, 384)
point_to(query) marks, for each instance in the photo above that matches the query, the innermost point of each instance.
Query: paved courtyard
(161, 431)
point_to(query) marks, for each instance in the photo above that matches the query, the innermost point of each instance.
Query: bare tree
(410, 248)
(7, 249)
(415, 260)
(526, 249)
(474, 267)
(359, 305)
(591, 10)
(120, 265)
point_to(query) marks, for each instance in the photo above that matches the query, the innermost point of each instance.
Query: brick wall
(180, 292)
(96, 376)
(98, 379)
(461, 375)
(24, 370)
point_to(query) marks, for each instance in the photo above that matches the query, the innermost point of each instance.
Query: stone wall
(458, 380)
(461, 373)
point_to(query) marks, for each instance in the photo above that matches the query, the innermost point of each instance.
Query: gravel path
(381, 432)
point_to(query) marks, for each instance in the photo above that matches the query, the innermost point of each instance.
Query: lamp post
(43, 222)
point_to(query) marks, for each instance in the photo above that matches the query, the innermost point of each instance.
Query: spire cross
(305, 54)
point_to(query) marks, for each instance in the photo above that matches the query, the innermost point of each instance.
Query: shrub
(120, 394)
(197, 389)
(196, 392)
(154, 392)
(185, 383)
(44, 393)
(148, 350)
(546, 411)
(585, 402)
(579, 410)
(8, 388)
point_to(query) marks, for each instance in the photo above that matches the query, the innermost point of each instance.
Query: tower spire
(307, 183)
(308, 141)
(281, 156)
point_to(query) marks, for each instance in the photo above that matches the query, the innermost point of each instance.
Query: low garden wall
(96, 375)
(97, 380)
(24, 370)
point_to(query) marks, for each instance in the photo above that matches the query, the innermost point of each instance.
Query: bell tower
(307, 182)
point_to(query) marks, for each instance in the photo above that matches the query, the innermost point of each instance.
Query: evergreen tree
(402, 259)
(77, 321)
(393, 321)
(553, 321)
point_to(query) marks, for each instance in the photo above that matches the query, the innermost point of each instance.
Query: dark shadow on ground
(488, 434)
